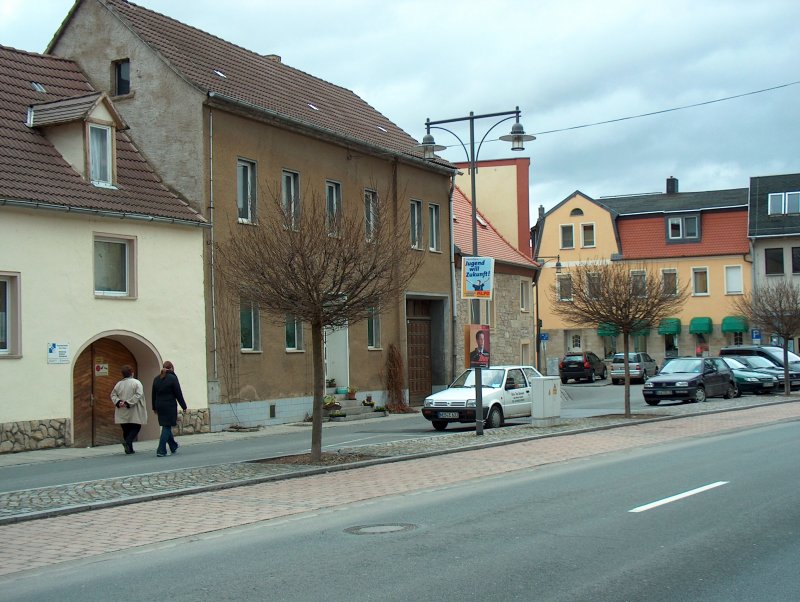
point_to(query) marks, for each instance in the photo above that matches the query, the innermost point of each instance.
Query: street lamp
(517, 137)
(542, 260)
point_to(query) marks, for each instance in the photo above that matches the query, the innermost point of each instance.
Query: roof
(231, 73)
(33, 172)
(675, 202)
(64, 110)
(490, 242)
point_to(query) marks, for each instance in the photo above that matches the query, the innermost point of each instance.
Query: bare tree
(326, 270)
(630, 297)
(775, 308)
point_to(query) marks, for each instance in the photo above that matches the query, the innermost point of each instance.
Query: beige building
(229, 129)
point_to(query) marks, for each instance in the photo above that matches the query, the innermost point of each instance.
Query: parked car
(762, 364)
(640, 366)
(691, 379)
(750, 381)
(582, 366)
(772, 353)
(507, 393)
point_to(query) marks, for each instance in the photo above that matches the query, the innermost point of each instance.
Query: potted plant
(330, 383)
(329, 403)
(351, 392)
(368, 401)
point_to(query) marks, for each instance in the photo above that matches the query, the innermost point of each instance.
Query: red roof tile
(33, 171)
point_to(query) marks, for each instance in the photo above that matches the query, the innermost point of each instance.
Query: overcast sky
(565, 63)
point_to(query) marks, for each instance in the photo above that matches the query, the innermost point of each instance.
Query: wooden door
(419, 350)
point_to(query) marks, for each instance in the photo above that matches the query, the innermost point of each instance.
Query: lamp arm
(480, 144)
(460, 141)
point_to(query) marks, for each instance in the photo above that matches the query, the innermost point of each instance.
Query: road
(619, 526)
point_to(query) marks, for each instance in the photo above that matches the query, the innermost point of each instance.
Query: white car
(507, 393)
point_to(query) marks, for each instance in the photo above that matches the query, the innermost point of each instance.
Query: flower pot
(341, 390)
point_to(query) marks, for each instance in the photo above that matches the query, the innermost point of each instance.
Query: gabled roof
(675, 202)
(33, 172)
(231, 73)
(490, 242)
(65, 110)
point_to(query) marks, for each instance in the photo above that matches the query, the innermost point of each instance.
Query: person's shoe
(128, 448)
(174, 450)
(158, 455)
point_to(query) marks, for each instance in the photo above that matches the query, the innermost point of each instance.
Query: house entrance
(418, 313)
(337, 356)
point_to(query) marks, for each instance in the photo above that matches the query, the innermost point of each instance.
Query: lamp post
(517, 137)
(542, 260)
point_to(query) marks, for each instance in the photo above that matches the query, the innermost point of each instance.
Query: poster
(477, 345)
(477, 277)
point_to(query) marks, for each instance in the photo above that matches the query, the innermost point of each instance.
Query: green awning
(607, 330)
(734, 324)
(644, 331)
(670, 326)
(701, 326)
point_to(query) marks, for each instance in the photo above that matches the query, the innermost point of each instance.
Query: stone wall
(193, 422)
(34, 434)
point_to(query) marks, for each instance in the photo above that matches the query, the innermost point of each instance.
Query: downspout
(453, 306)
(212, 273)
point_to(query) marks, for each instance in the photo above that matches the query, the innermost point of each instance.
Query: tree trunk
(626, 364)
(318, 374)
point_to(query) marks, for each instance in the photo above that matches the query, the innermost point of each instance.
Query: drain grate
(380, 529)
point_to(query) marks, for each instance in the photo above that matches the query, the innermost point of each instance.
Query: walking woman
(130, 412)
(166, 396)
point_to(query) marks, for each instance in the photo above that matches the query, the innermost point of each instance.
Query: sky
(564, 63)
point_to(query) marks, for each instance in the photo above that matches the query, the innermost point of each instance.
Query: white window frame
(677, 221)
(664, 272)
(370, 214)
(246, 191)
(524, 295)
(433, 228)
(775, 204)
(730, 289)
(571, 229)
(253, 314)
(290, 197)
(374, 328)
(560, 279)
(593, 243)
(415, 222)
(333, 206)
(129, 245)
(10, 319)
(695, 272)
(97, 155)
(293, 325)
(792, 202)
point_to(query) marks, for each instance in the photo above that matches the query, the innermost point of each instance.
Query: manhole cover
(379, 529)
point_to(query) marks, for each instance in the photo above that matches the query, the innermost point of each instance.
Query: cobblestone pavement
(231, 495)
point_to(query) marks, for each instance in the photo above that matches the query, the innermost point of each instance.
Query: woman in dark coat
(166, 396)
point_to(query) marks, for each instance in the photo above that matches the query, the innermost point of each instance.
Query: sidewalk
(202, 504)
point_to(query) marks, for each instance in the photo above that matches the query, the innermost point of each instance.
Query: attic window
(220, 73)
(383, 129)
(38, 87)
(313, 107)
(481, 221)
(576, 211)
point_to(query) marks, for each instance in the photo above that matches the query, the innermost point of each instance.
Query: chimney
(273, 57)
(672, 185)
(541, 211)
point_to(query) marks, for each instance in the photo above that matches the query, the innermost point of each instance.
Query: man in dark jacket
(166, 396)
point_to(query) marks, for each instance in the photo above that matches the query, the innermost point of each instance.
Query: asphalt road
(710, 519)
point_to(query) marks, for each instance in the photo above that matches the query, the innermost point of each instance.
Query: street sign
(755, 334)
(544, 336)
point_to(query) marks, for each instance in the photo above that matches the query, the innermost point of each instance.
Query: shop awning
(701, 326)
(607, 330)
(734, 324)
(670, 326)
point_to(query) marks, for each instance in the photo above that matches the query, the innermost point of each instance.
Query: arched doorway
(95, 373)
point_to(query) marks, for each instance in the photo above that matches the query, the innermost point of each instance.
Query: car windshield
(778, 355)
(734, 363)
(756, 361)
(620, 358)
(489, 378)
(683, 365)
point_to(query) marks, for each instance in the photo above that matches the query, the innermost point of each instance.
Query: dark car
(581, 366)
(748, 380)
(762, 364)
(691, 379)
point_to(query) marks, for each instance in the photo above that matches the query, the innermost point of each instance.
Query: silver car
(640, 365)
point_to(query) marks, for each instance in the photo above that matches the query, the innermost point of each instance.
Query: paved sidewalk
(220, 506)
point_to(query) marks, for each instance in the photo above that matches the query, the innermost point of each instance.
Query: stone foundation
(193, 422)
(34, 434)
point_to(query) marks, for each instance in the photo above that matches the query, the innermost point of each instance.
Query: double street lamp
(517, 137)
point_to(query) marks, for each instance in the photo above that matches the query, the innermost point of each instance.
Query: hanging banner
(477, 277)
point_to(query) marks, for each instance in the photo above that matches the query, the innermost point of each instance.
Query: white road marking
(680, 496)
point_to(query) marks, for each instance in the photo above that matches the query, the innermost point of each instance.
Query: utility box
(546, 401)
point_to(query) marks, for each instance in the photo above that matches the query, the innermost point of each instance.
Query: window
(690, 227)
(775, 203)
(773, 261)
(122, 77)
(333, 206)
(576, 212)
(250, 326)
(246, 190)
(291, 198)
(683, 228)
(779, 203)
(638, 283)
(100, 155)
(795, 260)
(433, 229)
(370, 213)
(671, 345)
(738, 338)
(294, 333)
(734, 284)
(793, 202)
(675, 228)
(564, 287)
(10, 322)
(593, 285)
(525, 294)
(700, 281)
(669, 279)
(567, 237)
(587, 235)
(113, 267)
(416, 224)
(374, 328)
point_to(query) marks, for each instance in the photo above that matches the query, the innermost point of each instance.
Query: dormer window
(100, 155)
(122, 77)
(683, 229)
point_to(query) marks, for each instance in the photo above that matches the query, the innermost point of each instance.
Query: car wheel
(439, 425)
(591, 377)
(495, 420)
(652, 402)
(604, 375)
(614, 381)
(564, 380)
(700, 395)
(731, 391)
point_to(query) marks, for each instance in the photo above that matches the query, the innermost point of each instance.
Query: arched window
(576, 211)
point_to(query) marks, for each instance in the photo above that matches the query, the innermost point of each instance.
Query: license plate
(663, 392)
(448, 414)
(769, 385)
